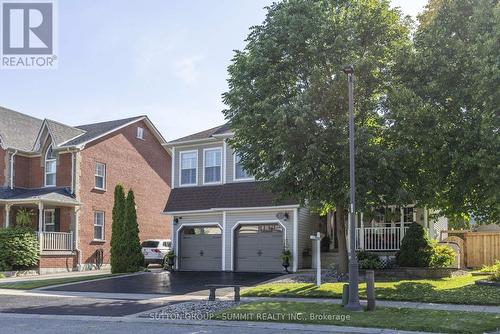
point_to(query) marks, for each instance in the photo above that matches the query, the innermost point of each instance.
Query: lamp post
(353, 304)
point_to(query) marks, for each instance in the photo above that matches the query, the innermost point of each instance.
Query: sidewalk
(58, 275)
(385, 303)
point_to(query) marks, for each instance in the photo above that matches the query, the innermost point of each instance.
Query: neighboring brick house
(66, 176)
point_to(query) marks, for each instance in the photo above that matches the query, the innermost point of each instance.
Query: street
(15, 324)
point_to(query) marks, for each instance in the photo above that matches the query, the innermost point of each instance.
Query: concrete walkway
(385, 303)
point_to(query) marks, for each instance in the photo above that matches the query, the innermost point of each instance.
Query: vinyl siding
(305, 230)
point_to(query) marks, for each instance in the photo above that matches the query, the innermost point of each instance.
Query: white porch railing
(55, 241)
(379, 238)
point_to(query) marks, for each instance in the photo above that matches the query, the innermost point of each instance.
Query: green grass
(40, 283)
(457, 290)
(392, 318)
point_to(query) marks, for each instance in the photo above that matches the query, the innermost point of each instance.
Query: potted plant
(170, 260)
(286, 256)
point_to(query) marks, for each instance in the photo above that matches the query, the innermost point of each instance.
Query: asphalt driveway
(177, 283)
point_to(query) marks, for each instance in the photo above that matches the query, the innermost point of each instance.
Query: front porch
(383, 231)
(51, 215)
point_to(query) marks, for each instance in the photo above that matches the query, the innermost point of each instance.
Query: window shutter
(57, 225)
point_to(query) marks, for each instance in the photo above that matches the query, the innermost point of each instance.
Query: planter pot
(285, 265)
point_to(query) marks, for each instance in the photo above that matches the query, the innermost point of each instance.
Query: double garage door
(256, 248)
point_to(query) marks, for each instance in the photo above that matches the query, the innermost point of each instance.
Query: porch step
(328, 258)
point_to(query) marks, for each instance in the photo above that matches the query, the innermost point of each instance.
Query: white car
(154, 250)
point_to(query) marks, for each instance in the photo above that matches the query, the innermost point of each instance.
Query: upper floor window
(50, 167)
(188, 170)
(239, 172)
(100, 175)
(212, 165)
(140, 132)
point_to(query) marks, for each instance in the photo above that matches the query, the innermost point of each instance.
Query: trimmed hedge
(19, 249)
(367, 260)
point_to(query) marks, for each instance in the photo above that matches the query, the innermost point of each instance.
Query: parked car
(154, 250)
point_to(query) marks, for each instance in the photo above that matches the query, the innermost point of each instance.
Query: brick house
(65, 176)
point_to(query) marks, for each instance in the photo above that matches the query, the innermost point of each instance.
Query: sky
(164, 59)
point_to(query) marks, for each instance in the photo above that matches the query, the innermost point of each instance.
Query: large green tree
(117, 230)
(288, 100)
(444, 111)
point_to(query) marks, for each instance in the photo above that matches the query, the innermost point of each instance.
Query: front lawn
(40, 283)
(457, 290)
(392, 318)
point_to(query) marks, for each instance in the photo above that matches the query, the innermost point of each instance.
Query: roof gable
(204, 135)
(17, 130)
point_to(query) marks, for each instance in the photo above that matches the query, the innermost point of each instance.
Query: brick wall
(29, 171)
(142, 165)
(54, 263)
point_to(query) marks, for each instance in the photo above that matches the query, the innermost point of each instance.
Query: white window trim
(103, 225)
(53, 211)
(221, 164)
(45, 169)
(141, 130)
(180, 168)
(252, 178)
(103, 176)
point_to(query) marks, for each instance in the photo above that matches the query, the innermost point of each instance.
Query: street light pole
(353, 304)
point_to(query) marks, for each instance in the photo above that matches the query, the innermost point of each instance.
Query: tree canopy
(444, 110)
(288, 99)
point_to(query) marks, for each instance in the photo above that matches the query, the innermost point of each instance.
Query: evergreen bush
(19, 249)
(416, 248)
(118, 264)
(442, 256)
(133, 248)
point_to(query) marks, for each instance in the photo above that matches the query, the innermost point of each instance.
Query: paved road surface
(17, 325)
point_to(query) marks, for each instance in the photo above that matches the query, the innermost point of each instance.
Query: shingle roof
(97, 129)
(230, 195)
(18, 130)
(45, 194)
(206, 134)
(61, 132)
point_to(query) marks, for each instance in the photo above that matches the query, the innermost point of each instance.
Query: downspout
(12, 169)
(76, 241)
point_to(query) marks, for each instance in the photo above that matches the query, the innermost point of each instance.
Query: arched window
(50, 167)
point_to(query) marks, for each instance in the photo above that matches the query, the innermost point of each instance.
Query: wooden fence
(481, 248)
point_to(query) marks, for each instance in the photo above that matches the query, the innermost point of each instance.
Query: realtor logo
(28, 34)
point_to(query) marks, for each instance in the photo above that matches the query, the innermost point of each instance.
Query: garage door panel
(200, 251)
(258, 248)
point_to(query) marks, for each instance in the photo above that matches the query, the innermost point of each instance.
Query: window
(49, 220)
(100, 175)
(408, 214)
(140, 132)
(212, 165)
(98, 225)
(50, 167)
(239, 172)
(189, 162)
(202, 230)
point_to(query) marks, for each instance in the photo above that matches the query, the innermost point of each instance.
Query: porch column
(362, 233)
(40, 225)
(402, 225)
(426, 221)
(7, 215)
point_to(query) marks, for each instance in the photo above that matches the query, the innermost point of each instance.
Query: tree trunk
(342, 242)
